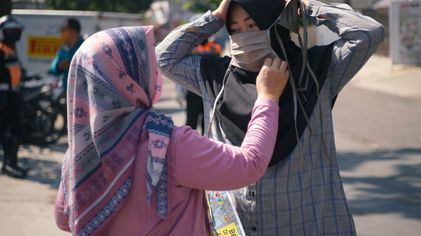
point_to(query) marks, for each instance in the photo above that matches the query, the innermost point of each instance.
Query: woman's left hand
(222, 10)
(305, 4)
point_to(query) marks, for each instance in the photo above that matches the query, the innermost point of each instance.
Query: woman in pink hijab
(128, 170)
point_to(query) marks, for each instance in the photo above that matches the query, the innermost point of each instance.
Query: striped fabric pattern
(113, 83)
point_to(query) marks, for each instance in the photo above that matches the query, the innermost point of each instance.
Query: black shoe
(21, 168)
(14, 172)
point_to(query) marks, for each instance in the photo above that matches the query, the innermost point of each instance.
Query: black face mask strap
(213, 114)
(323, 138)
(304, 46)
(305, 64)
(303, 43)
(296, 99)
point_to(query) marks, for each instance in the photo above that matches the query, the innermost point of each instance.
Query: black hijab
(263, 12)
(237, 101)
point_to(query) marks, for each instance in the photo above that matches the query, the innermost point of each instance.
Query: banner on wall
(41, 37)
(405, 32)
(43, 46)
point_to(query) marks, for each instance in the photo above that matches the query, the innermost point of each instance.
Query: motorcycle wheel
(47, 123)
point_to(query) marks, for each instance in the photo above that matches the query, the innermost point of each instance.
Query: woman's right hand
(272, 79)
(222, 11)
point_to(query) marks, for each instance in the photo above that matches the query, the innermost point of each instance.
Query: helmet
(10, 22)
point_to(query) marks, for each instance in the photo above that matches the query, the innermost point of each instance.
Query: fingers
(272, 79)
(284, 66)
(276, 62)
(268, 62)
(221, 11)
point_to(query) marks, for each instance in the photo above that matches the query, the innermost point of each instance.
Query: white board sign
(405, 32)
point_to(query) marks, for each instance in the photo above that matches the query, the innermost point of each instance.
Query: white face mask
(250, 49)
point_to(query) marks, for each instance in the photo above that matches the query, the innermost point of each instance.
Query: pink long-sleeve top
(195, 163)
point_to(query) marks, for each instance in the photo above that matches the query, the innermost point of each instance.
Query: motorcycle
(43, 110)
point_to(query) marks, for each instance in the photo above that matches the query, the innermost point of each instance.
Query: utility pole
(5, 7)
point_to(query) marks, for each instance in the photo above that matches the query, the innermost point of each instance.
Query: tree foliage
(201, 5)
(5, 7)
(131, 6)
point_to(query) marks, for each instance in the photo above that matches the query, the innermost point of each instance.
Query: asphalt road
(379, 151)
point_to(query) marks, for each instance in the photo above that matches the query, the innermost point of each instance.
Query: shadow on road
(43, 171)
(44, 162)
(60, 147)
(396, 193)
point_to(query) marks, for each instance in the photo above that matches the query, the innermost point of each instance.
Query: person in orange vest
(194, 103)
(10, 77)
(208, 47)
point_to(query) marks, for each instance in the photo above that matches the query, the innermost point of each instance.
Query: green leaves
(130, 6)
(5, 7)
(201, 5)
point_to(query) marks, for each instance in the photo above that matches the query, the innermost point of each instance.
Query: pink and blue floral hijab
(113, 83)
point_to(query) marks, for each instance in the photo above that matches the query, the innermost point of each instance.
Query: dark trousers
(10, 128)
(194, 109)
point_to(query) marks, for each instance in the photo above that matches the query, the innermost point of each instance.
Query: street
(49, 47)
(379, 151)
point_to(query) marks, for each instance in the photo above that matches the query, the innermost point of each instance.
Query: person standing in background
(194, 103)
(70, 33)
(10, 78)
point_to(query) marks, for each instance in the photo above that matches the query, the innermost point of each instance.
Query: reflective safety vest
(12, 64)
(211, 47)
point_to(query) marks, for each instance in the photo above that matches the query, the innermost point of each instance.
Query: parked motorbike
(43, 110)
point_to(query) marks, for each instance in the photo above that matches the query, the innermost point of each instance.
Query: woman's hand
(305, 4)
(272, 79)
(222, 10)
